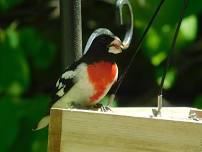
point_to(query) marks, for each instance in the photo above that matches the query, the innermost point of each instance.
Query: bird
(86, 81)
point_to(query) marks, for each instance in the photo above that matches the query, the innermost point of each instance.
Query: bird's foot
(102, 108)
(98, 106)
(105, 109)
(193, 116)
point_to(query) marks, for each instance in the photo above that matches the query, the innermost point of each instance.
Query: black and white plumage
(88, 80)
(75, 78)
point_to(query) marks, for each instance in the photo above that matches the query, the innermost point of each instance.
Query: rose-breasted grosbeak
(88, 80)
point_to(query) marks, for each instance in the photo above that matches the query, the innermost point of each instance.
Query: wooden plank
(126, 130)
(54, 136)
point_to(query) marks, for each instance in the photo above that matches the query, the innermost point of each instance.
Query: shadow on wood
(125, 130)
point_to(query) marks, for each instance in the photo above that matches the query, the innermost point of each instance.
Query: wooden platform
(125, 130)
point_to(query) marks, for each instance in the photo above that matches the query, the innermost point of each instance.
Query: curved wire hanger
(129, 32)
(137, 48)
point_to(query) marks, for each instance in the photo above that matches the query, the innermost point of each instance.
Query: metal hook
(95, 34)
(129, 32)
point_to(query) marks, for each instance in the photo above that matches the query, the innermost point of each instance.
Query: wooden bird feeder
(125, 130)
(122, 129)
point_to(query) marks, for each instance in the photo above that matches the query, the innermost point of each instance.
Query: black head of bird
(105, 47)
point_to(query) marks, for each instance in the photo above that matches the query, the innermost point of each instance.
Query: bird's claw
(102, 108)
(193, 116)
(105, 109)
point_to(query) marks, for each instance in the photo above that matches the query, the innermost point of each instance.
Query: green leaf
(12, 38)
(158, 58)
(14, 74)
(188, 31)
(153, 41)
(189, 27)
(169, 79)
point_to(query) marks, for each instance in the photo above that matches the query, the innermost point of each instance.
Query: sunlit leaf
(158, 58)
(14, 74)
(153, 40)
(188, 29)
(169, 80)
(12, 36)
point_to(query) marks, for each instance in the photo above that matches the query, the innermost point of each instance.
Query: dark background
(30, 61)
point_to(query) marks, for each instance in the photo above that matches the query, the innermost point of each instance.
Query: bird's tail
(44, 122)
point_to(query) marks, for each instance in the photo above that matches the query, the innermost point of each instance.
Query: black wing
(64, 83)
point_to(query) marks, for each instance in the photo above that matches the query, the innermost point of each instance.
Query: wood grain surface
(125, 130)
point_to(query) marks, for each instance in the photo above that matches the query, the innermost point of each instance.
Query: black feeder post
(70, 11)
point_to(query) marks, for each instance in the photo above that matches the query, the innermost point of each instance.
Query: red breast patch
(101, 74)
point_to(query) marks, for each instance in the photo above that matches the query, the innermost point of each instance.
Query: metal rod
(168, 60)
(172, 49)
(70, 11)
(160, 104)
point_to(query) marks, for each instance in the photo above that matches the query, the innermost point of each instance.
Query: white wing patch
(68, 75)
(60, 93)
(57, 83)
(61, 85)
(80, 92)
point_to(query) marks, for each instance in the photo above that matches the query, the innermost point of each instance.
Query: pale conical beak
(114, 50)
(116, 46)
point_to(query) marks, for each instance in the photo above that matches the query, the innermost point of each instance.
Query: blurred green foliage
(159, 38)
(7, 4)
(22, 49)
(28, 44)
